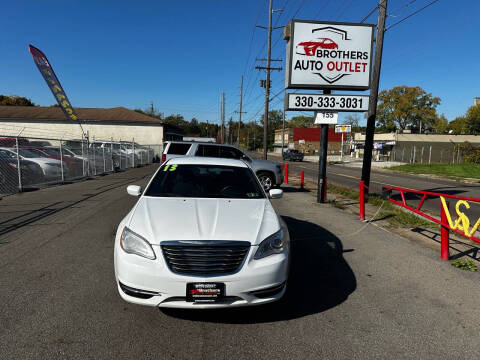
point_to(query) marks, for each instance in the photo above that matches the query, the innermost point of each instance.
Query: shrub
(471, 153)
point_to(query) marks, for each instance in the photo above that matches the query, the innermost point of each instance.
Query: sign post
(372, 113)
(322, 162)
(327, 56)
(342, 129)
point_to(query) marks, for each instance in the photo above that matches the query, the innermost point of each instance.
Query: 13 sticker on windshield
(170, 167)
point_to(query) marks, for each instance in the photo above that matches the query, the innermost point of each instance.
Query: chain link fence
(427, 154)
(29, 163)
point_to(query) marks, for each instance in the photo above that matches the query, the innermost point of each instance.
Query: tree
(472, 120)
(176, 120)
(405, 107)
(352, 120)
(275, 120)
(458, 126)
(15, 100)
(151, 111)
(441, 124)
(300, 121)
(193, 127)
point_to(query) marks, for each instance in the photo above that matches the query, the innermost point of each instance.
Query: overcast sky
(181, 57)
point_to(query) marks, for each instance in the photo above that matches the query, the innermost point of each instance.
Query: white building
(119, 124)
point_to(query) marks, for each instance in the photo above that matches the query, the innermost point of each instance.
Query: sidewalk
(388, 294)
(347, 160)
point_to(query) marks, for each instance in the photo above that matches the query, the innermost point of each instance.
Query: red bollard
(286, 174)
(301, 180)
(444, 242)
(362, 200)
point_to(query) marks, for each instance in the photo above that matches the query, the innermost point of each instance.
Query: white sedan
(203, 234)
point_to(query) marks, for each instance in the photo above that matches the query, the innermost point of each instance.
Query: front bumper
(168, 289)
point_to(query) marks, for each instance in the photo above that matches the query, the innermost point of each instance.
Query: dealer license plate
(205, 292)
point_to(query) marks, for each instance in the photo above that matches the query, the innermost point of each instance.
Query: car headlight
(134, 244)
(273, 244)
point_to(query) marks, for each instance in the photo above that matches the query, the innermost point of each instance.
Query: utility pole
(267, 81)
(283, 125)
(222, 118)
(322, 162)
(372, 106)
(267, 87)
(254, 134)
(240, 112)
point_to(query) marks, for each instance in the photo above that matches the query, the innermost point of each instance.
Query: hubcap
(266, 182)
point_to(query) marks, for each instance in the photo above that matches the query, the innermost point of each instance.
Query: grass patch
(349, 193)
(452, 170)
(392, 213)
(464, 264)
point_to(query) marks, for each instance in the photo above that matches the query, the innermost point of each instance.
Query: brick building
(307, 140)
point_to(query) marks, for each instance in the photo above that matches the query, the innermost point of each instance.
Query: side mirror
(134, 190)
(275, 193)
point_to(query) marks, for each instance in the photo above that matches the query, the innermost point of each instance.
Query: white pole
(341, 150)
(61, 161)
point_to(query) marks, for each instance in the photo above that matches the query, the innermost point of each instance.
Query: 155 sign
(313, 102)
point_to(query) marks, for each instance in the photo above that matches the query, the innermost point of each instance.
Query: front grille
(205, 257)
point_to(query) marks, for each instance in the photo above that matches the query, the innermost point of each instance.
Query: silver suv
(268, 172)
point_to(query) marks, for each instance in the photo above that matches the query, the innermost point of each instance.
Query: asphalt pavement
(355, 290)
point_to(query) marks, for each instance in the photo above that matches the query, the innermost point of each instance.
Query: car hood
(167, 219)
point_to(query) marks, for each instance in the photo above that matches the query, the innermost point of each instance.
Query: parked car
(202, 235)
(51, 168)
(74, 164)
(292, 155)
(12, 142)
(141, 153)
(30, 173)
(269, 172)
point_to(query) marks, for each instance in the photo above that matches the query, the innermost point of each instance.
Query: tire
(266, 179)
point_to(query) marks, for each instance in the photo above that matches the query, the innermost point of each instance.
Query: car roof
(198, 142)
(201, 160)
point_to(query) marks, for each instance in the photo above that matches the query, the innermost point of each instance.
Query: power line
(412, 14)
(403, 7)
(342, 11)
(321, 10)
(252, 37)
(369, 14)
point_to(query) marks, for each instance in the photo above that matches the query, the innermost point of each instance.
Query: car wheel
(266, 180)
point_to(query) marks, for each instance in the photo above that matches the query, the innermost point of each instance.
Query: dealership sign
(326, 118)
(326, 102)
(328, 55)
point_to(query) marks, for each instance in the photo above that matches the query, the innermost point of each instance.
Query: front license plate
(205, 292)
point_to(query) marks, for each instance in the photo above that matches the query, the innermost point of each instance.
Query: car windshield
(5, 154)
(28, 154)
(75, 151)
(51, 151)
(205, 181)
(40, 153)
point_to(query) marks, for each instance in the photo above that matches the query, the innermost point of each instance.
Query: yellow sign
(462, 223)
